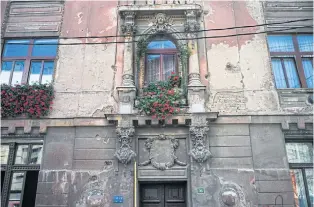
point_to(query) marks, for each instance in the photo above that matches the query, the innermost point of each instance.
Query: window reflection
(6, 71)
(35, 72)
(36, 154)
(4, 154)
(18, 72)
(309, 179)
(298, 188)
(16, 189)
(300, 152)
(21, 154)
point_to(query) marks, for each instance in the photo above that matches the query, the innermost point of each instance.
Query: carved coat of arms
(162, 152)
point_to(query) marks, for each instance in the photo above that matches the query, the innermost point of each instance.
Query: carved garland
(153, 159)
(125, 153)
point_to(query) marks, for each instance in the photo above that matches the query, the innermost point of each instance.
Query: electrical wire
(204, 30)
(196, 38)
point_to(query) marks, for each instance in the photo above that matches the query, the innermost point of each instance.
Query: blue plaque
(117, 199)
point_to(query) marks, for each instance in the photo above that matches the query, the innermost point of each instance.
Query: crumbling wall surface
(85, 71)
(79, 169)
(240, 75)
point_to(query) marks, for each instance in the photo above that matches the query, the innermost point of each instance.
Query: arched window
(161, 60)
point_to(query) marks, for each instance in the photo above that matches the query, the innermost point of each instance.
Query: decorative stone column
(127, 90)
(198, 132)
(196, 90)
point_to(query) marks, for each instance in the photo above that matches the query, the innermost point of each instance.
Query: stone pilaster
(127, 91)
(196, 90)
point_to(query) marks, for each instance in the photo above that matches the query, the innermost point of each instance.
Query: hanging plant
(161, 99)
(29, 100)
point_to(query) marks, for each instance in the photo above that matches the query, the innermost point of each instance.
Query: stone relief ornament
(125, 153)
(232, 195)
(93, 195)
(162, 152)
(161, 22)
(192, 25)
(199, 152)
(128, 27)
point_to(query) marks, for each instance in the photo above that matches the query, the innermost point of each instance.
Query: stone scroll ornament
(199, 152)
(125, 153)
(162, 152)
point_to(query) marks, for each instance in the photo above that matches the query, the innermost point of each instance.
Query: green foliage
(161, 99)
(30, 100)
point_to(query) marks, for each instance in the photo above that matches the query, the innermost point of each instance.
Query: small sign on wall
(117, 199)
(200, 190)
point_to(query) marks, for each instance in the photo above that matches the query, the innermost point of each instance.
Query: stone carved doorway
(163, 195)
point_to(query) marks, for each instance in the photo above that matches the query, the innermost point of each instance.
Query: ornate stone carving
(127, 80)
(192, 25)
(195, 79)
(95, 198)
(232, 195)
(161, 22)
(128, 27)
(199, 151)
(162, 152)
(125, 153)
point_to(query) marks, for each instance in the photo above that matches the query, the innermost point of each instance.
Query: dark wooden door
(163, 195)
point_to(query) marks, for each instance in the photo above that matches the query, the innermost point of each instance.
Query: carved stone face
(199, 141)
(124, 142)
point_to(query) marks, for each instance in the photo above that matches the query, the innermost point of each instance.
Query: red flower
(172, 73)
(154, 116)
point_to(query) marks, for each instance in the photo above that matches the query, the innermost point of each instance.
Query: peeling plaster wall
(240, 75)
(85, 74)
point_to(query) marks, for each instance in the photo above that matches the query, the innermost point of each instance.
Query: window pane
(169, 65)
(309, 180)
(16, 189)
(153, 67)
(17, 48)
(34, 72)
(308, 71)
(48, 71)
(280, 43)
(278, 73)
(299, 152)
(298, 188)
(18, 72)
(4, 154)
(6, 71)
(21, 154)
(292, 74)
(305, 43)
(46, 47)
(161, 44)
(36, 154)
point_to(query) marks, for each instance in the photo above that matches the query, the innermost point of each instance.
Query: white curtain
(169, 66)
(292, 74)
(278, 73)
(152, 69)
(308, 71)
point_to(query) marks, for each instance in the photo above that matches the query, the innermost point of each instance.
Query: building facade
(239, 93)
